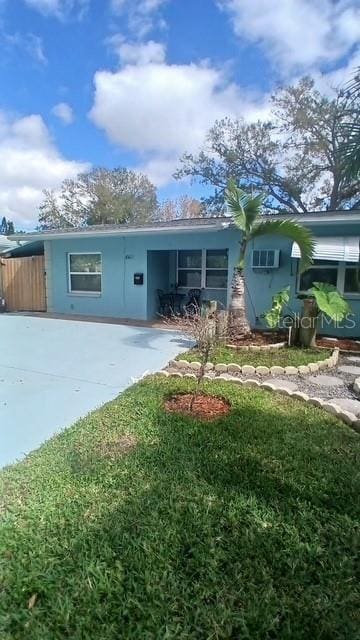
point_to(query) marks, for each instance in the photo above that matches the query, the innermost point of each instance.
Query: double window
(345, 276)
(202, 268)
(85, 273)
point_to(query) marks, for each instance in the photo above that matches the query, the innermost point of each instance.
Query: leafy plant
(279, 301)
(330, 301)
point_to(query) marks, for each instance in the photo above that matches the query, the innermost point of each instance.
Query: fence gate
(22, 283)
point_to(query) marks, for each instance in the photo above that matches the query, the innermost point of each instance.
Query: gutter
(120, 232)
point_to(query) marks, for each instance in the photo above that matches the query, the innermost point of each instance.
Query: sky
(136, 83)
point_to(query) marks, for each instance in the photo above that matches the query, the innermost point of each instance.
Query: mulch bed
(341, 343)
(204, 406)
(259, 339)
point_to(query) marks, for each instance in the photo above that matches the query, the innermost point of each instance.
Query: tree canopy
(181, 208)
(295, 158)
(6, 227)
(100, 196)
(351, 146)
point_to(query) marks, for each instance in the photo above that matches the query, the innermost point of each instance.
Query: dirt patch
(119, 447)
(204, 406)
(341, 343)
(258, 338)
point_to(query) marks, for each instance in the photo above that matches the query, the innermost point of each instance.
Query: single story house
(117, 270)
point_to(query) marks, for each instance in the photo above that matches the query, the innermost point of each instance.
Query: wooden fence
(22, 283)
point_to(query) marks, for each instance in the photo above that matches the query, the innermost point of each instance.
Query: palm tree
(246, 212)
(350, 149)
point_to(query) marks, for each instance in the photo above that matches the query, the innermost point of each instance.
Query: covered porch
(177, 273)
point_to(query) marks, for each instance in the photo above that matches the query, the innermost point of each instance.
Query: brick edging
(331, 407)
(249, 369)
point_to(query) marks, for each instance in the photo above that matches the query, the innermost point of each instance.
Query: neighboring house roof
(184, 225)
(6, 244)
(25, 249)
(11, 249)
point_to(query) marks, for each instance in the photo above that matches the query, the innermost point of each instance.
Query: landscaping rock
(221, 368)
(350, 369)
(299, 395)
(276, 370)
(317, 402)
(248, 370)
(284, 384)
(331, 408)
(355, 359)
(352, 406)
(190, 375)
(347, 417)
(233, 367)
(181, 364)
(326, 381)
(303, 369)
(262, 371)
(196, 366)
(251, 383)
(291, 371)
(313, 366)
(209, 366)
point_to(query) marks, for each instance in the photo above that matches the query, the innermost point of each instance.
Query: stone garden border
(248, 369)
(329, 406)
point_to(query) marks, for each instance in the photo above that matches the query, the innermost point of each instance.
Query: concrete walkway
(54, 371)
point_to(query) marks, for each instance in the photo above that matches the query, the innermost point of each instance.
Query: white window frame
(203, 269)
(81, 273)
(340, 280)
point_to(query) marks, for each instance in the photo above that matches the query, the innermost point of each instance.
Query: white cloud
(60, 9)
(64, 112)
(137, 53)
(30, 162)
(142, 15)
(28, 42)
(298, 34)
(161, 110)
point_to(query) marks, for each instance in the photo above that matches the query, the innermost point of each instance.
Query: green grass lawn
(294, 356)
(136, 524)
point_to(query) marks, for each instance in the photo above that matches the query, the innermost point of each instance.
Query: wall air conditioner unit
(265, 258)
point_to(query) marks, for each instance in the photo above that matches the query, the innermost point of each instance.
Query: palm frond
(292, 230)
(244, 208)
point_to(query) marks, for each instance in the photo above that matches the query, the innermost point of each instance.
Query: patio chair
(165, 306)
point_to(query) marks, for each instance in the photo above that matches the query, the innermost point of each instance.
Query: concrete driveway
(52, 372)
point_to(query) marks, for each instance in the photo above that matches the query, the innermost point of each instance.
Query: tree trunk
(239, 324)
(308, 323)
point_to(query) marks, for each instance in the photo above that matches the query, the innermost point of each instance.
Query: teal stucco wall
(125, 255)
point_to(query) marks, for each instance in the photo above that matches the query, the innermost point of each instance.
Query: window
(352, 278)
(189, 269)
(216, 269)
(320, 271)
(200, 268)
(345, 276)
(85, 272)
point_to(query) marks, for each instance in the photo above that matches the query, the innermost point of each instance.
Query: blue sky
(138, 82)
